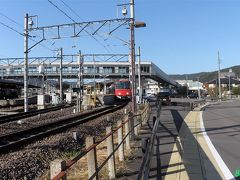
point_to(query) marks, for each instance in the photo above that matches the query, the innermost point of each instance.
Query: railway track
(12, 141)
(15, 117)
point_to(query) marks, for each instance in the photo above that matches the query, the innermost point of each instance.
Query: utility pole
(219, 78)
(230, 70)
(81, 81)
(94, 85)
(26, 63)
(187, 84)
(199, 94)
(60, 80)
(139, 77)
(132, 55)
(80, 76)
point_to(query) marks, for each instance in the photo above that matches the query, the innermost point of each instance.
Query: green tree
(236, 90)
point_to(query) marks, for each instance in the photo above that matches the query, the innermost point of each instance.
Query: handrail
(145, 166)
(87, 150)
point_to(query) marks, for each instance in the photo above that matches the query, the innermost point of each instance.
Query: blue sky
(182, 36)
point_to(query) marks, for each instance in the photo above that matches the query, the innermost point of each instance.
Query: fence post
(135, 122)
(111, 161)
(91, 157)
(126, 132)
(120, 139)
(56, 167)
(130, 117)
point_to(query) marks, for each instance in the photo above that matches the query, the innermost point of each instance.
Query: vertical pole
(94, 81)
(104, 88)
(120, 139)
(219, 80)
(91, 157)
(135, 122)
(187, 84)
(56, 167)
(126, 132)
(61, 90)
(132, 55)
(230, 70)
(81, 80)
(26, 63)
(111, 161)
(139, 77)
(198, 89)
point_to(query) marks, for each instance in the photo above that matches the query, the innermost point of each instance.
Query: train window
(123, 85)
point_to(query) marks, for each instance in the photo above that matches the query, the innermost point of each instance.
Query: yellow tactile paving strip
(188, 145)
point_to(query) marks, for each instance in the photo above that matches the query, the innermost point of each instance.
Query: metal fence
(129, 126)
(145, 166)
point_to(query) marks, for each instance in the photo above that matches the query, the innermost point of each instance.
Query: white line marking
(226, 172)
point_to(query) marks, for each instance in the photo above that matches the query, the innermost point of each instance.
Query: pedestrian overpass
(91, 70)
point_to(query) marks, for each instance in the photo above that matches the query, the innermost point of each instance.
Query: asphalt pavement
(222, 124)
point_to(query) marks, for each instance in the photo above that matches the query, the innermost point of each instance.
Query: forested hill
(205, 76)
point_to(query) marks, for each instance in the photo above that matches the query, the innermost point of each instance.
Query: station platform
(180, 150)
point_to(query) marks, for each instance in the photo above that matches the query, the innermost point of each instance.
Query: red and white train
(120, 90)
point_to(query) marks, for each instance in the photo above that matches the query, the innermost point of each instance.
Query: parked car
(165, 97)
(193, 95)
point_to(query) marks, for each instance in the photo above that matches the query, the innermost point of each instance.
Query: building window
(17, 70)
(32, 69)
(75, 69)
(108, 70)
(47, 69)
(123, 70)
(145, 69)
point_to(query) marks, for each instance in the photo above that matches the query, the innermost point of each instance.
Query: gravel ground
(33, 161)
(34, 121)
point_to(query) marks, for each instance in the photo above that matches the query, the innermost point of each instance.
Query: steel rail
(15, 117)
(17, 139)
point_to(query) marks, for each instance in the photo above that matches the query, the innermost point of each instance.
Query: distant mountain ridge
(205, 76)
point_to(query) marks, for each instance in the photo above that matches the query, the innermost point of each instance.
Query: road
(222, 124)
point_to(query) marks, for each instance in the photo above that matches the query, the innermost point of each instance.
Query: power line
(71, 10)
(74, 12)
(19, 32)
(61, 10)
(75, 22)
(11, 28)
(11, 19)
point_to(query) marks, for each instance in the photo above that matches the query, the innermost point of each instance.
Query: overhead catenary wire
(10, 19)
(74, 12)
(75, 22)
(22, 34)
(9, 27)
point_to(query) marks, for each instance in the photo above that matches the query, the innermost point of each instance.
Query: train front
(123, 89)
